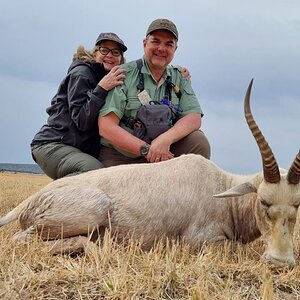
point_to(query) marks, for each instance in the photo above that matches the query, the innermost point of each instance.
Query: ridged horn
(270, 167)
(294, 171)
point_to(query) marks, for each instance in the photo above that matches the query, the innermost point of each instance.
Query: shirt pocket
(132, 106)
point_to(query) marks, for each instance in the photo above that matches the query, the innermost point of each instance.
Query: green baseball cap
(163, 24)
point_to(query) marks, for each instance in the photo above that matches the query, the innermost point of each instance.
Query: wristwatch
(144, 149)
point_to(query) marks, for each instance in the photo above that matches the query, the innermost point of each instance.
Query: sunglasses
(105, 51)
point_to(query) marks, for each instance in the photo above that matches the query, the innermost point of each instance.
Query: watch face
(144, 150)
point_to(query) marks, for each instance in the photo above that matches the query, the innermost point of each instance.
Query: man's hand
(159, 150)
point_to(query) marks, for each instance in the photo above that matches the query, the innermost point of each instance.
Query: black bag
(152, 120)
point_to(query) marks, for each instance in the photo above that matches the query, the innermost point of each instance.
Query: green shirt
(123, 101)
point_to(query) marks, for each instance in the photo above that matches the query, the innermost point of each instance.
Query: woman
(69, 142)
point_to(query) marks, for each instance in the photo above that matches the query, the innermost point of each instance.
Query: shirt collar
(145, 70)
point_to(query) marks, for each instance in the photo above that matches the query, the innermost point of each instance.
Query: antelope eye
(265, 203)
(296, 206)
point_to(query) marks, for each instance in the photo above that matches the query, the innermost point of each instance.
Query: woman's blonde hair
(89, 55)
(83, 54)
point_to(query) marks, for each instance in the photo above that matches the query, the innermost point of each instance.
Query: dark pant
(58, 160)
(196, 142)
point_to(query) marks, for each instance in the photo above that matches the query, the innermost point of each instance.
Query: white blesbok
(171, 199)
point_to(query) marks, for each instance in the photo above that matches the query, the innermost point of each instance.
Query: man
(155, 81)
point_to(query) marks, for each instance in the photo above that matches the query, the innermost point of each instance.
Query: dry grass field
(111, 271)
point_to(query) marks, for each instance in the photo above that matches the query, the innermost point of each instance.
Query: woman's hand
(185, 72)
(114, 78)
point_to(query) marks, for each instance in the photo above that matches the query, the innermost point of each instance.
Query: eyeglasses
(114, 52)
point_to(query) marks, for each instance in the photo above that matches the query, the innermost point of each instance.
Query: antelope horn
(294, 171)
(270, 167)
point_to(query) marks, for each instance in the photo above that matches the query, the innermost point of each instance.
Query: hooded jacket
(73, 113)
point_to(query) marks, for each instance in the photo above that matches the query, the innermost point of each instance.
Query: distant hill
(21, 168)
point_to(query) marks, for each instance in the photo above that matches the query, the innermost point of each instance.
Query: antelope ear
(238, 190)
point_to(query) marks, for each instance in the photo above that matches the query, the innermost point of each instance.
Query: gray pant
(196, 142)
(58, 160)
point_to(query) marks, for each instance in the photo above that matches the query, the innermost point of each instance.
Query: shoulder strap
(129, 122)
(176, 90)
(169, 86)
(140, 85)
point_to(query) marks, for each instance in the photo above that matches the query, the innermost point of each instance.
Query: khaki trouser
(196, 142)
(58, 160)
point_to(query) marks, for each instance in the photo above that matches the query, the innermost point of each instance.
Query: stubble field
(111, 271)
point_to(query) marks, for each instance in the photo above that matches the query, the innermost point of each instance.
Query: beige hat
(163, 24)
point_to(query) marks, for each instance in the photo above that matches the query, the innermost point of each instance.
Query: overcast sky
(223, 43)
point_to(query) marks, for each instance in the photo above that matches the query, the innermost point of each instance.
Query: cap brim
(123, 47)
(173, 33)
